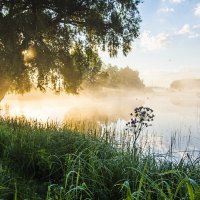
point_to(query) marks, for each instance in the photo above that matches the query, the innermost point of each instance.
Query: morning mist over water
(177, 113)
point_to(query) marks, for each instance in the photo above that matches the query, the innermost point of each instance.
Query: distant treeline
(185, 84)
(114, 77)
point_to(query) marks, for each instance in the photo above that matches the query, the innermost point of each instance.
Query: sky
(168, 47)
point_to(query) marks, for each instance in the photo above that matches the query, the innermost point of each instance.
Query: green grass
(45, 161)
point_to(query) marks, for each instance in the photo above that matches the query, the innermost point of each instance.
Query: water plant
(47, 161)
(141, 119)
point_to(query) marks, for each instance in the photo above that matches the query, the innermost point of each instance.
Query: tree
(54, 43)
(114, 77)
(130, 79)
(185, 84)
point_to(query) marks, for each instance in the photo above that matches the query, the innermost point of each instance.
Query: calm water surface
(177, 114)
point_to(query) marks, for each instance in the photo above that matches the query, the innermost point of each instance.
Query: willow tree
(54, 43)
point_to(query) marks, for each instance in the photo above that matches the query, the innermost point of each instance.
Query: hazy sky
(169, 43)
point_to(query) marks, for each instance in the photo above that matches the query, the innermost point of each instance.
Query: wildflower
(143, 116)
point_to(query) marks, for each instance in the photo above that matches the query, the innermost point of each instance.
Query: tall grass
(74, 161)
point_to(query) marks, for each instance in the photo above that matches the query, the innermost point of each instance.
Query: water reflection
(177, 113)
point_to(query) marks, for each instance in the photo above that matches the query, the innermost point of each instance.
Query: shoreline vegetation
(75, 161)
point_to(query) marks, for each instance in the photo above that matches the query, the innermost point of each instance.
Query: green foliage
(46, 161)
(55, 43)
(114, 77)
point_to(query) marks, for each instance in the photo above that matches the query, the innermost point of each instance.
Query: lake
(177, 114)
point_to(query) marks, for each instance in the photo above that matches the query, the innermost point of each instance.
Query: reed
(76, 161)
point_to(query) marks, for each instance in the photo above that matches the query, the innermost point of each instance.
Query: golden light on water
(107, 105)
(29, 54)
(50, 106)
(32, 106)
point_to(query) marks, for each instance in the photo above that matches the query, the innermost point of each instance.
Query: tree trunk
(4, 86)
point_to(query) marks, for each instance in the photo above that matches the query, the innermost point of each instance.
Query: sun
(29, 54)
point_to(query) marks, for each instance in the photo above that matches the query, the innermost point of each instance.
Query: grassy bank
(48, 162)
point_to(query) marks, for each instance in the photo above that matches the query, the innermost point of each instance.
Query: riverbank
(46, 161)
